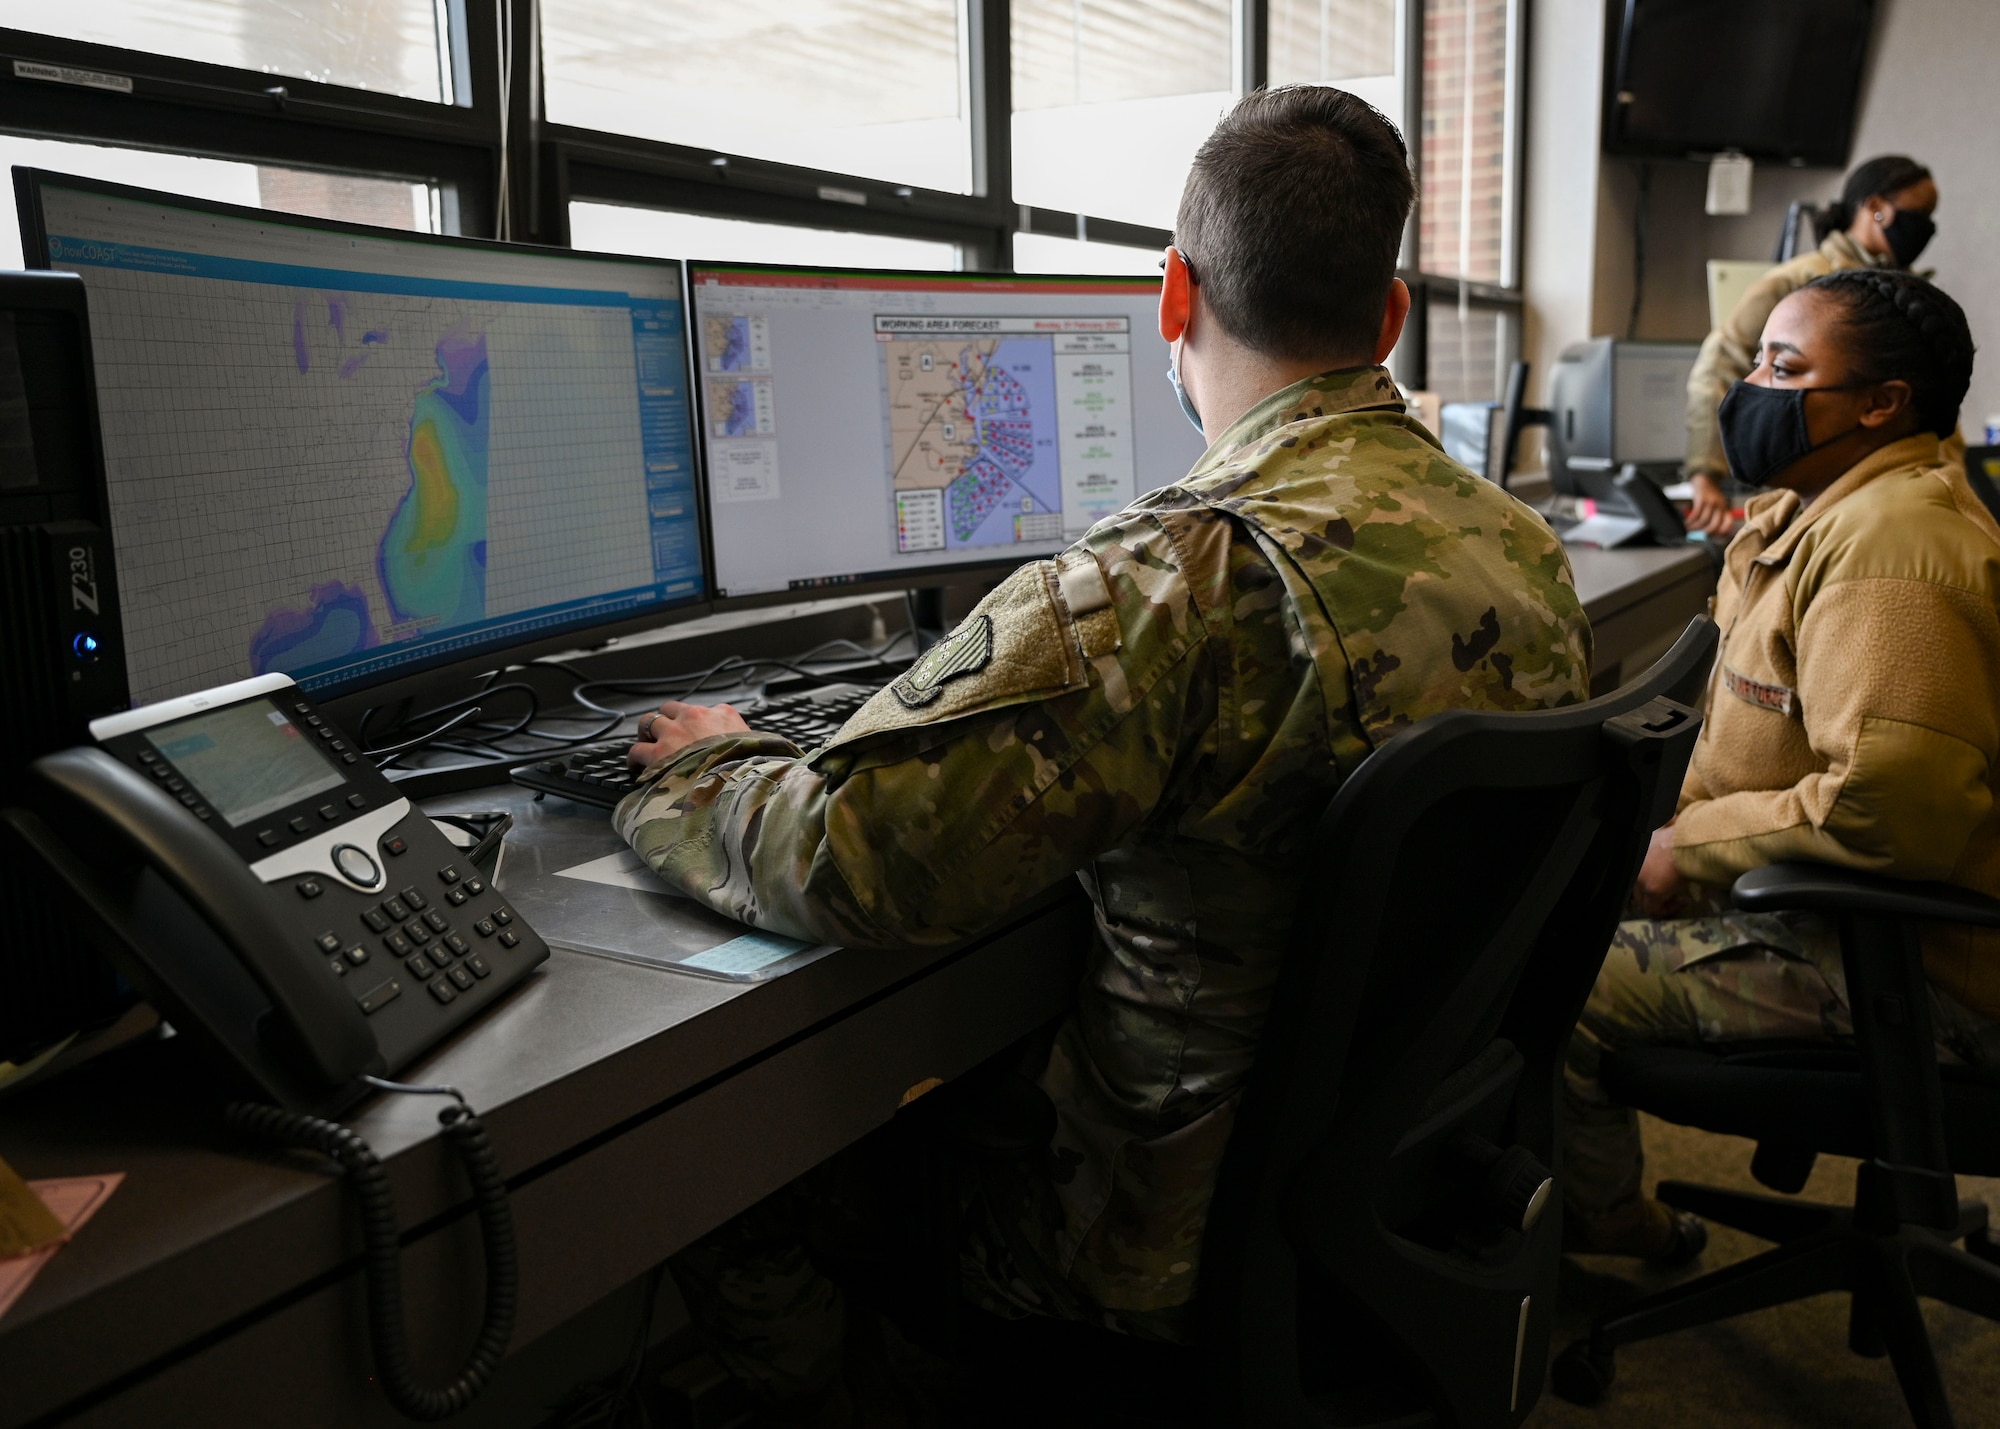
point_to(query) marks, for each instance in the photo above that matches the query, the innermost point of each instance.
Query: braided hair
(1878, 178)
(1904, 329)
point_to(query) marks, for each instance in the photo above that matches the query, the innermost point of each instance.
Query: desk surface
(1609, 581)
(631, 1109)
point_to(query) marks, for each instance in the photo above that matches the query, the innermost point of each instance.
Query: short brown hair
(1292, 218)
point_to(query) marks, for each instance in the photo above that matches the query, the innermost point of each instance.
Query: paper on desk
(74, 1200)
(623, 869)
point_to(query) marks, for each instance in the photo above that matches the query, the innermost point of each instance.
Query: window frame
(505, 171)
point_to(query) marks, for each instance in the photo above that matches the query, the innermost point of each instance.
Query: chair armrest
(1823, 888)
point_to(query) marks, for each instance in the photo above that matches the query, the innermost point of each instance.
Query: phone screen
(247, 761)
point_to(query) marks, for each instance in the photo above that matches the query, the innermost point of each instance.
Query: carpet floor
(1787, 1368)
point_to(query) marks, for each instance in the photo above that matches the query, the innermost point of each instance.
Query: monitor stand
(1631, 510)
(936, 610)
(927, 622)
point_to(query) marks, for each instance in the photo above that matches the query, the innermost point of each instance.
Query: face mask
(1180, 395)
(1764, 429)
(1908, 232)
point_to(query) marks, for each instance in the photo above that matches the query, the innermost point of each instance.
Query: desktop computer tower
(60, 642)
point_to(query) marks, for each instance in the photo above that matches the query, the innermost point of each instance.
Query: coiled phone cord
(381, 1240)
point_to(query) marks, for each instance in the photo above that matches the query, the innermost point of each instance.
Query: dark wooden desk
(631, 1108)
(1639, 599)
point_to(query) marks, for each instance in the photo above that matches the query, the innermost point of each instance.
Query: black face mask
(1908, 234)
(1764, 429)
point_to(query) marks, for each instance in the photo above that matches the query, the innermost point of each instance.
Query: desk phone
(268, 888)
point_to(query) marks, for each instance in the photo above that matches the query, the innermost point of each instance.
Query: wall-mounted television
(1778, 80)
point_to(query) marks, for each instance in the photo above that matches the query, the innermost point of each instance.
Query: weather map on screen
(340, 456)
(976, 416)
(864, 426)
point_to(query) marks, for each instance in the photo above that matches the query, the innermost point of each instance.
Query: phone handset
(326, 1030)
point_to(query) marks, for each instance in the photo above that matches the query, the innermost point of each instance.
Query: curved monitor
(349, 454)
(883, 430)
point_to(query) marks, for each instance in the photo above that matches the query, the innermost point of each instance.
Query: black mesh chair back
(1384, 1240)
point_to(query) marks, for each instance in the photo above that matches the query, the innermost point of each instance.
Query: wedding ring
(646, 726)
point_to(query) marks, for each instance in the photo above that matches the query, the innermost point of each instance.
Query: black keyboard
(600, 774)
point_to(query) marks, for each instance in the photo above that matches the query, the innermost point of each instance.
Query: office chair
(1885, 1101)
(1788, 235)
(1383, 1242)
(1982, 464)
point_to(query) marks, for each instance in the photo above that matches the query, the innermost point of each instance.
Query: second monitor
(884, 427)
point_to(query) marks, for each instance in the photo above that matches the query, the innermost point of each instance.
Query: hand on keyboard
(602, 774)
(674, 726)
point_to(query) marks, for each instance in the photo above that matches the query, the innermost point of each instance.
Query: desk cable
(455, 727)
(381, 1238)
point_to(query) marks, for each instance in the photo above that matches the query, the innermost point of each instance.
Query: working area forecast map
(1004, 430)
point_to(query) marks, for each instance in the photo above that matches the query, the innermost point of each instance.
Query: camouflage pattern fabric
(1690, 982)
(1162, 712)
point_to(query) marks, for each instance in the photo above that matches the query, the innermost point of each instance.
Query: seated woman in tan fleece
(1853, 718)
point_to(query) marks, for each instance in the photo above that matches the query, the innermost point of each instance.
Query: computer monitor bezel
(419, 675)
(962, 573)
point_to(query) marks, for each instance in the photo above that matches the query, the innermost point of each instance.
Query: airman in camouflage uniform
(1161, 711)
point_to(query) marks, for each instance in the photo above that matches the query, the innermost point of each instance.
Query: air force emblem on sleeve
(966, 651)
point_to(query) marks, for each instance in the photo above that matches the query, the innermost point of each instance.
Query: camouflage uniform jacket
(1161, 711)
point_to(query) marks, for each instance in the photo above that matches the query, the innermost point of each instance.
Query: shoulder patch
(966, 651)
(1014, 649)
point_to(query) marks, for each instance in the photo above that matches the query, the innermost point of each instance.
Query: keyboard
(600, 774)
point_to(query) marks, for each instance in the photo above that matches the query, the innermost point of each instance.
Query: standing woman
(1882, 219)
(1853, 719)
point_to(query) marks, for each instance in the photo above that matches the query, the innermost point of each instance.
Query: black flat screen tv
(1778, 80)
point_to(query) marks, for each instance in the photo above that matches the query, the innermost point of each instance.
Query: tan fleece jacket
(1854, 709)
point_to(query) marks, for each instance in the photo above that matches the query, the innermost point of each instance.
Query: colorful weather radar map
(431, 562)
(341, 456)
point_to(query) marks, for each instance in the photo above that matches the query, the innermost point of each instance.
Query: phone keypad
(429, 951)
